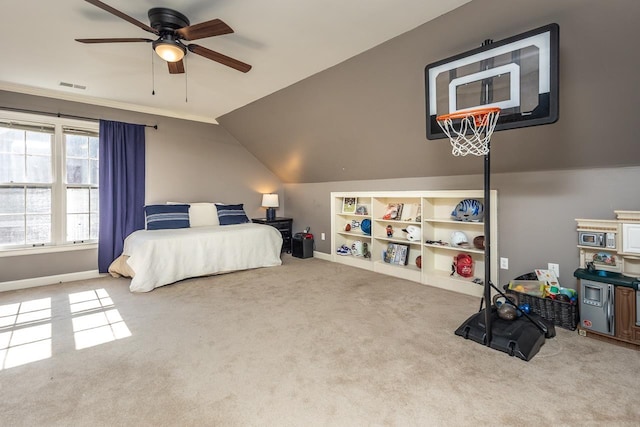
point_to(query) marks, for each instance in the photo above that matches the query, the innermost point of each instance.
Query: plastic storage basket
(563, 314)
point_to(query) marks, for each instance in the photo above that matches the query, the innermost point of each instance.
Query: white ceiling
(284, 40)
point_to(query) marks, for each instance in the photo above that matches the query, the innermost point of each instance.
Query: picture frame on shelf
(397, 253)
(362, 209)
(349, 205)
(393, 211)
(411, 212)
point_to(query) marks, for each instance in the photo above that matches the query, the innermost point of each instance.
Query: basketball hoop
(470, 131)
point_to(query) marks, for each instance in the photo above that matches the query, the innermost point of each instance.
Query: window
(48, 181)
(81, 185)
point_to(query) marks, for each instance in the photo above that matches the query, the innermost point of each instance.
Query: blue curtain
(122, 171)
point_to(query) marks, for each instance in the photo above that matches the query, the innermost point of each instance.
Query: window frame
(67, 130)
(58, 186)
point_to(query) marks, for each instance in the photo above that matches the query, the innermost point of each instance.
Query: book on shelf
(390, 254)
(397, 253)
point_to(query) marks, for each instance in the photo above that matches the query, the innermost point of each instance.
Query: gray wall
(536, 210)
(365, 118)
(186, 161)
(360, 126)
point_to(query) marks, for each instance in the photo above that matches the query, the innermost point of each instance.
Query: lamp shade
(169, 49)
(270, 201)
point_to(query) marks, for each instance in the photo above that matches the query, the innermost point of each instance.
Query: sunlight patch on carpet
(25, 332)
(95, 319)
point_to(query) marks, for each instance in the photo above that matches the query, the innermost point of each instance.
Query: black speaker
(301, 247)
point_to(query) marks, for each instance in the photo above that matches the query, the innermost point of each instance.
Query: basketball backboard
(519, 75)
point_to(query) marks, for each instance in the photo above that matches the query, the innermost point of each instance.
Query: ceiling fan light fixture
(170, 50)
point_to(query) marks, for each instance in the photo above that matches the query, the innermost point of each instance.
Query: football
(478, 242)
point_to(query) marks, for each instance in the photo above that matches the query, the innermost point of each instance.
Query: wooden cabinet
(424, 226)
(625, 314)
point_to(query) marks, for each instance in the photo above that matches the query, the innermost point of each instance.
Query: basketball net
(470, 131)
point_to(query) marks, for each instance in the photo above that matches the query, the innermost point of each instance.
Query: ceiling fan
(172, 27)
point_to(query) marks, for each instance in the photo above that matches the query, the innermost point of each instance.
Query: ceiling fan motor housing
(167, 20)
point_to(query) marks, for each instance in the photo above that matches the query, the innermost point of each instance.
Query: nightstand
(284, 225)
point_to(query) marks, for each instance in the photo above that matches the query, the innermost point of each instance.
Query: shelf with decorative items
(411, 236)
(351, 225)
(397, 234)
(611, 245)
(598, 243)
(453, 235)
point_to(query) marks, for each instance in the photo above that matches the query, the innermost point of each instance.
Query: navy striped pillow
(162, 217)
(231, 214)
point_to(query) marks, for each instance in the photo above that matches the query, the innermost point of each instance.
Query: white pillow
(200, 214)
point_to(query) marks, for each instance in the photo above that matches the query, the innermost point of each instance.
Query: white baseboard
(322, 255)
(48, 280)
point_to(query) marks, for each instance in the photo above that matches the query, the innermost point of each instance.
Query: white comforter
(160, 257)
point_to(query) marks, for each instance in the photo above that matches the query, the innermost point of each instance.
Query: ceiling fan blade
(176, 67)
(215, 27)
(218, 57)
(116, 40)
(121, 15)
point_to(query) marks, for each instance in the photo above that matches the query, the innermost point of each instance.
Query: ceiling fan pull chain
(153, 76)
(186, 87)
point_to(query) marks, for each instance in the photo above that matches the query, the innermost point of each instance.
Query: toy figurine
(389, 231)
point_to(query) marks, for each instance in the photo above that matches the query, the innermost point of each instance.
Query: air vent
(73, 85)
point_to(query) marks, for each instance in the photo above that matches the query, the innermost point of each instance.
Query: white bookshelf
(435, 224)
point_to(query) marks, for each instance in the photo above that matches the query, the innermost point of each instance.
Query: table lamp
(270, 201)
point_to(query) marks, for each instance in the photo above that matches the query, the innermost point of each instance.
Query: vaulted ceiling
(285, 41)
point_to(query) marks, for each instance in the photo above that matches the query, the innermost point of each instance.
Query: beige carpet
(310, 343)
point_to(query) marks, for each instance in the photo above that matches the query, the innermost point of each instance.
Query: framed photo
(362, 209)
(349, 205)
(397, 253)
(393, 211)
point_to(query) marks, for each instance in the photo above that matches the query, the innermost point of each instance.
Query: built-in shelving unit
(430, 213)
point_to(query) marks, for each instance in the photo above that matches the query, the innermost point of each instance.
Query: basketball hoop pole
(487, 243)
(486, 94)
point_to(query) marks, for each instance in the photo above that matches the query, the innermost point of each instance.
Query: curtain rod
(61, 115)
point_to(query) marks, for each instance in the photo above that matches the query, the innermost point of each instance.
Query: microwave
(597, 239)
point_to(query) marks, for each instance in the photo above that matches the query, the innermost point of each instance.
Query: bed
(158, 257)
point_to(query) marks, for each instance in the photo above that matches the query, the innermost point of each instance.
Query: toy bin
(563, 314)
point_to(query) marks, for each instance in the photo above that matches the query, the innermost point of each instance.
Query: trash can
(302, 245)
